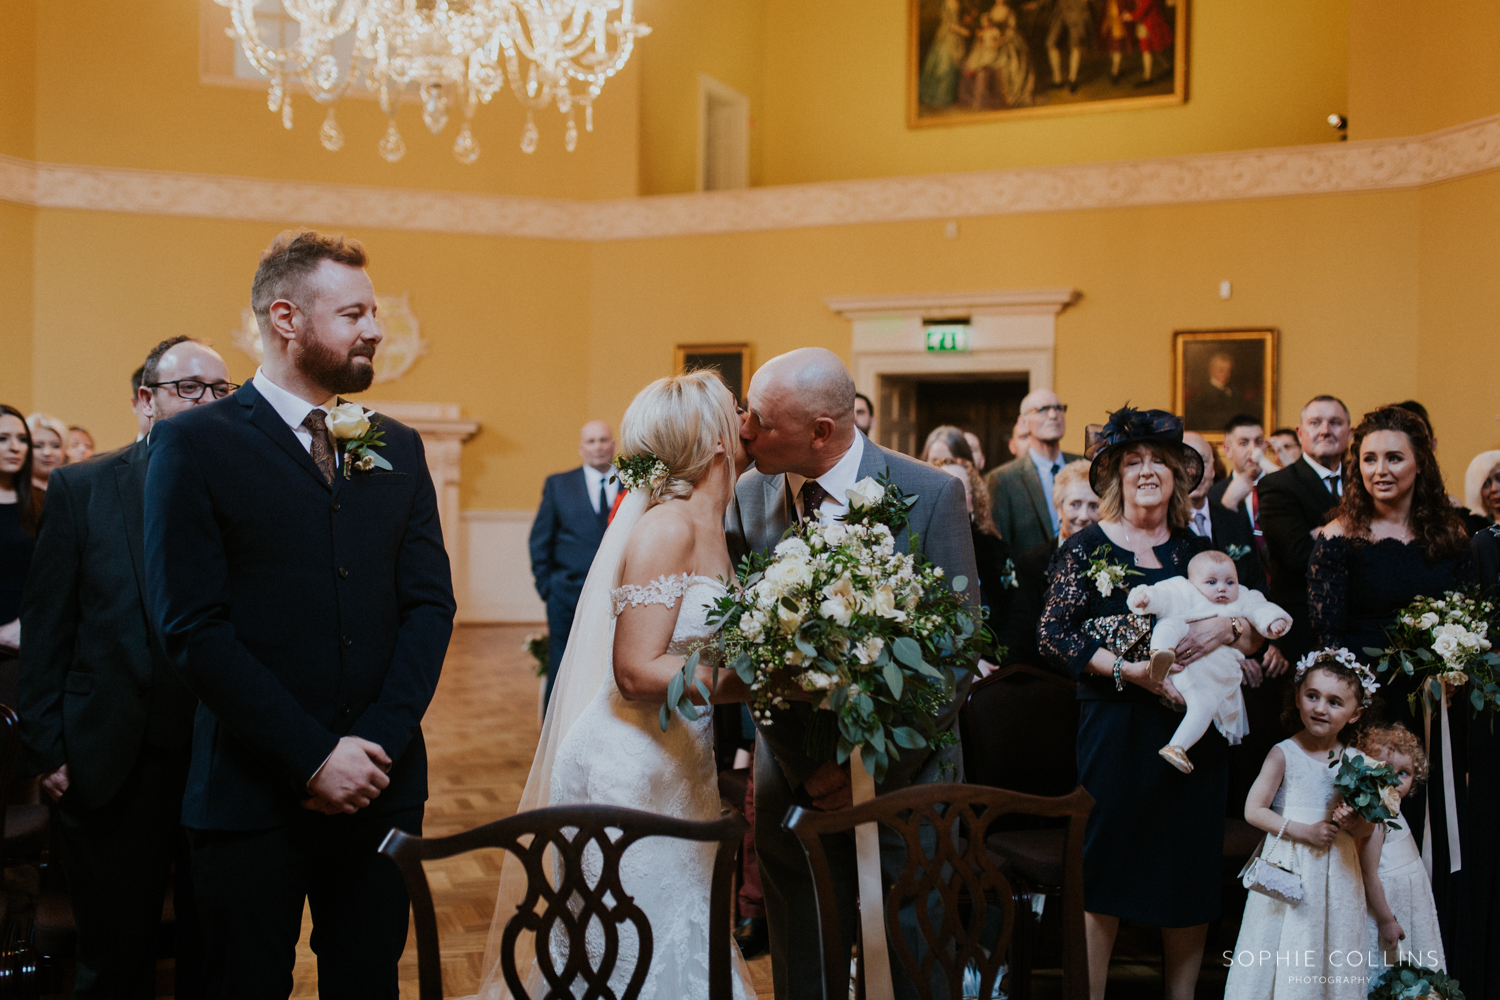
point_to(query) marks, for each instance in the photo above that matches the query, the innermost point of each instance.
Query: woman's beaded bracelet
(1119, 680)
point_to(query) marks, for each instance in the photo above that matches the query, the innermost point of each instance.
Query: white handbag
(1262, 874)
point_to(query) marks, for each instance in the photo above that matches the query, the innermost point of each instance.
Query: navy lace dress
(1155, 837)
(1355, 589)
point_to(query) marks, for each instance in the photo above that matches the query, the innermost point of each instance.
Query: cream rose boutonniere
(349, 424)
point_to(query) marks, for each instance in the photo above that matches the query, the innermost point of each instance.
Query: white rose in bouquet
(1429, 620)
(864, 493)
(866, 651)
(1391, 799)
(885, 604)
(1445, 646)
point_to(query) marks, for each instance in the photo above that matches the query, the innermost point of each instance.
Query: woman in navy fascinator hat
(1152, 850)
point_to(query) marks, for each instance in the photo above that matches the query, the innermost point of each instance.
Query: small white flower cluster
(637, 475)
(1340, 655)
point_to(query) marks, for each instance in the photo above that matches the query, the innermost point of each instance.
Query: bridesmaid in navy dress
(1396, 536)
(1152, 848)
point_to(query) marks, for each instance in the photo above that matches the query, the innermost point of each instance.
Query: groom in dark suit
(105, 720)
(567, 531)
(799, 429)
(306, 598)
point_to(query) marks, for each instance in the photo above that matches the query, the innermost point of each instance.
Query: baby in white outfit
(1210, 685)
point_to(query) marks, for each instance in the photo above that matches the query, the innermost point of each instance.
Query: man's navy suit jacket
(299, 612)
(565, 537)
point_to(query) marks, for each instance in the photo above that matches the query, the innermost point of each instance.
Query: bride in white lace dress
(642, 612)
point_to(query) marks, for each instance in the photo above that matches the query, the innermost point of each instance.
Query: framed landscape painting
(1218, 375)
(979, 60)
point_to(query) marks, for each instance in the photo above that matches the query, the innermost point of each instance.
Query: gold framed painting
(985, 60)
(1218, 375)
(732, 361)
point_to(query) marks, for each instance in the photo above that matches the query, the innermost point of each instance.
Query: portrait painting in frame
(1218, 375)
(981, 60)
(731, 361)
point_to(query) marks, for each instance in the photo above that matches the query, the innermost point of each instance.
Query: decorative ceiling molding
(1009, 302)
(1371, 165)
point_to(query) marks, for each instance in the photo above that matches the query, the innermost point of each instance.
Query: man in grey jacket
(799, 429)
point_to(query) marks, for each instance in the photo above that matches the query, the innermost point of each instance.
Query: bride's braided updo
(680, 420)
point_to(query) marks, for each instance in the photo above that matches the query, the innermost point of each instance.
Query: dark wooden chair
(955, 869)
(546, 908)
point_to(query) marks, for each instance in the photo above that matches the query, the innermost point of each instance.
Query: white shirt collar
(1323, 473)
(592, 477)
(292, 409)
(837, 480)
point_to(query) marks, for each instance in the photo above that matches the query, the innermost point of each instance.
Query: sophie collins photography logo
(1333, 963)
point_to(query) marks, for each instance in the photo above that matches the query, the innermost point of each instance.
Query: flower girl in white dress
(1303, 950)
(642, 612)
(1403, 916)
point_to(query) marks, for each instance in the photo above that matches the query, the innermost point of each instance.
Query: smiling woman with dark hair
(1394, 536)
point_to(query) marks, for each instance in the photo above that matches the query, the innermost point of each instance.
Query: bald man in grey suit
(799, 429)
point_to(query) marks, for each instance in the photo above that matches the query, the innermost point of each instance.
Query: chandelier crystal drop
(451, 55)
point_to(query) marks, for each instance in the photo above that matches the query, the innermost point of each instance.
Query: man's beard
(333, 371)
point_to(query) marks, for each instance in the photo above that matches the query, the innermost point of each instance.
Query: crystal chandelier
(448, 53)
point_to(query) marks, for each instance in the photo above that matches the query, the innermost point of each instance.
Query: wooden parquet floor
(481, 732)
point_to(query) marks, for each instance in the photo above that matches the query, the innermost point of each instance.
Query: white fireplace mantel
(443, 430)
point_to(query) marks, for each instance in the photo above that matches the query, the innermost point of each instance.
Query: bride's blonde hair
(681, 420)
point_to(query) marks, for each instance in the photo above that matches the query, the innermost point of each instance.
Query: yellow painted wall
(16, 326)
(1266, 73)
(1418, 67)
(18, 79)
(723, 39)
(506, 320)
(1460, 326)
(117, 84)
(1337, 275)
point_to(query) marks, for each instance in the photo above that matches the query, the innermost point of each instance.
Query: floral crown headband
(642, 472)
(1317, 657)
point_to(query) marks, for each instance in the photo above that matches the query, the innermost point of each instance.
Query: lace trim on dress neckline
(664, 590)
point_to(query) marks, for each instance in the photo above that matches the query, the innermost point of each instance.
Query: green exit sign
(947, 336)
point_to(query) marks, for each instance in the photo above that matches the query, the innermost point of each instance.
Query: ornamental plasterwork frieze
(1371, 165)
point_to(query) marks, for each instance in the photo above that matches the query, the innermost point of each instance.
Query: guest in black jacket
(1228, 529)
(20, 510)
(105, 719)
(1077, 508)
(565, 536)
(298, 577)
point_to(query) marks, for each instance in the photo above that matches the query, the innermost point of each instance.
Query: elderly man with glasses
(1021, 490)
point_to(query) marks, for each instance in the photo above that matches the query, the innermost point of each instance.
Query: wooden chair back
(568, 831)
(1019, 728)
(958, 867)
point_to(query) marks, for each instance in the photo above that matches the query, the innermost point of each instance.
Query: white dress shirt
(835, 482)
(1046, 470)
(1333, 481)
(1202, 521)
(293, 409)
(593, 479)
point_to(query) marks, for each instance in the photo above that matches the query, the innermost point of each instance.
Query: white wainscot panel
(497, 585)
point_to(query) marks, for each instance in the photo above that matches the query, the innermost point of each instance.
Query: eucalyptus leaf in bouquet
(1406, 981)
(1368, 786)
(877, 639)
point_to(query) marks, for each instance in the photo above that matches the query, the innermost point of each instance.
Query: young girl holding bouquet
(1403, 917)
(1299, 950)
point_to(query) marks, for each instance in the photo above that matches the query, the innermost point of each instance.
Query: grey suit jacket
(762, 511)
(1019, 504)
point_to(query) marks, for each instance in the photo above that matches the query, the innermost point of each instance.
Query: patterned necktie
(1200, 524)
(316, 423)
(813, 496)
